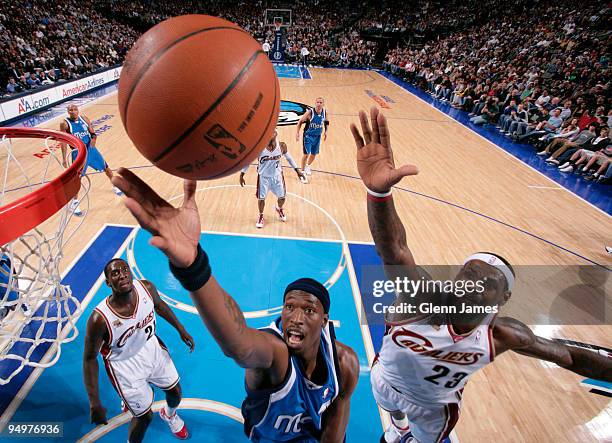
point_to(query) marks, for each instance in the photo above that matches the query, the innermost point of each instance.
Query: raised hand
(374, 155)
(176, 231)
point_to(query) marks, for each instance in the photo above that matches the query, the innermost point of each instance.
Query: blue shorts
(311, 144)
(94, 159)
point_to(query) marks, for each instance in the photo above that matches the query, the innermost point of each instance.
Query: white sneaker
(564, 165)
(281, 214)
(27, 312)
(307, 170)
(117, 191)
(175, 423)
(542, 153)
(567, 169)
(260, 221)
(74, 207)
(304, 180)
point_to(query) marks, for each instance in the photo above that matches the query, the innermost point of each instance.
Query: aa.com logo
(290, 112)
(27, 105)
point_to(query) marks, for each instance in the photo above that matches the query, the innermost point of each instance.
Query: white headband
(495, 262)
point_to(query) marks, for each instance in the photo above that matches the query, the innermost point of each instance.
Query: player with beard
(425, 360)
(299, 379)
(122, 329)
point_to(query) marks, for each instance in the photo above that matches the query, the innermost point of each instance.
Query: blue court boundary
(22, 388)
(597, 194)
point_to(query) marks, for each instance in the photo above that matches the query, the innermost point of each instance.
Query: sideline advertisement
(36, 101)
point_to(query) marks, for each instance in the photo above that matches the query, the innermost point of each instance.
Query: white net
(37, 312)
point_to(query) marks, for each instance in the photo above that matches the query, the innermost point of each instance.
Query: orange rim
(29, 211)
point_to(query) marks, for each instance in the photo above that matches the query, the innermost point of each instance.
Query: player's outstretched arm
(164, 311)
(335, 419)
(378, 172)
(176, 232)
(511, 334)
(94, 336)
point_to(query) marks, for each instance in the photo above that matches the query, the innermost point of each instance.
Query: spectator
(559, 146)
(33, 81)
(13, 87)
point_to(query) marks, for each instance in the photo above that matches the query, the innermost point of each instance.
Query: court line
(282, 237)
(402, 118)
(364, 326)
(247, 314)
(186, 403)
(543, 187)
(37, 372)
(343, 85)
(493, 219)
(491, 142)
(508, 225)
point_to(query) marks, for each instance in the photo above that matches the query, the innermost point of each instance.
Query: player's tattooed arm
(163, 310)
(335, 419)
(176, 232)
(511, 334)
(377, 170)
(248, 347)
(94, 337)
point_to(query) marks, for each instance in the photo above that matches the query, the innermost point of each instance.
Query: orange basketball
(198, 97)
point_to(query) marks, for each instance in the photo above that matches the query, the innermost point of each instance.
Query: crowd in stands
(536, 70)
(316, 26)
(539, 78)
(44, 42)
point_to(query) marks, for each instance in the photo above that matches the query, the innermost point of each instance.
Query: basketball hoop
(277, 24)
(37, 312)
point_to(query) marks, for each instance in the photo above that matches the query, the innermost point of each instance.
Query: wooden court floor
(515, 399)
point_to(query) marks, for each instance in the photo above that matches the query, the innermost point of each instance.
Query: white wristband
(379, 194)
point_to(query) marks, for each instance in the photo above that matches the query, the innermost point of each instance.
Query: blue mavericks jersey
(314, 126)
(79, 129)
(293, 411)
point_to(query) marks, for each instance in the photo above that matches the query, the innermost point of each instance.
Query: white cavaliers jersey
(431, 364)
(269, 162)
(128, 334)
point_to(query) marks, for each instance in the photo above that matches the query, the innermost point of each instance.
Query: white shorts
(428, 424)
(131, 377)
(276, 184)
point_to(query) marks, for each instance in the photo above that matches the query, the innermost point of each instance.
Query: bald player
(426, 360)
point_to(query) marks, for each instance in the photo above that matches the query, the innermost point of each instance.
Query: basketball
(198, 97)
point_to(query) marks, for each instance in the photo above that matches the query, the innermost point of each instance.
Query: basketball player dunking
(122, 329)
(316, 122)
(425, 361)
(299, 379)
(270, 177)
(80, 127)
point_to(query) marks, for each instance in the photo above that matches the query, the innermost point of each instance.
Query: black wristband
(196, 275)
